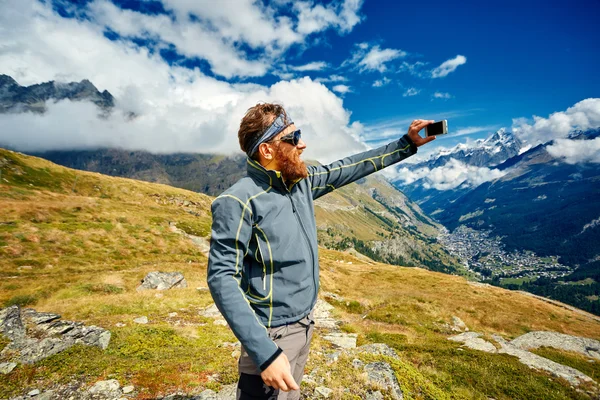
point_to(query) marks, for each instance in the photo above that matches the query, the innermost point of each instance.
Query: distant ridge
(15, 98)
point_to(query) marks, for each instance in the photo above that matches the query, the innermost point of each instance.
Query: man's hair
(256, 121)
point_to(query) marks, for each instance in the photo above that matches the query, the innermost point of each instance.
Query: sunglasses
(292, 138)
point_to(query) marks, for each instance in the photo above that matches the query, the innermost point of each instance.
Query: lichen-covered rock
(380, 373)
(38, 335)
(473, 341)
(378, 349)
(322, 317)
(163, 281)
(533, 340)
(343, 340)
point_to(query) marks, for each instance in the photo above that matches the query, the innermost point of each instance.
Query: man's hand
(279, 376)
(415, 128)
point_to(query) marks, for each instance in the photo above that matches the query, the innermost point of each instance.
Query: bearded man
(263, 267)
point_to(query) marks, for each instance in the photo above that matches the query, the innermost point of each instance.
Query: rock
(172, 314)
(322, 317)
(110, 389)
(211, 312)
(141, 320)
(163, 281)
(7, 367)
(374, 396)
(356, 363)
(472, 341)
(533, 340)
(322, 391)
(47, 395)
(227, 392)
(382, 374)
(332, 357)
(458, 325)
(332, 296)
(120, 325)
(10, 323)
(203, 289)
(208, 395)
(573, 376)
(34, 392)
(378, 348)
(47, 335)
(128, 389)
(343, 340)
(220, 321)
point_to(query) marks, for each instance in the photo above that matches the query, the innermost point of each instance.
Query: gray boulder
(533, 340)
(381, 374)
(37, 335)
(163, 281)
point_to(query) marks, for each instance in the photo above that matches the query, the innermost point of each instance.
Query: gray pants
(294, 339)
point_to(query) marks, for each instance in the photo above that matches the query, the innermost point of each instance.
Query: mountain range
(16, 98)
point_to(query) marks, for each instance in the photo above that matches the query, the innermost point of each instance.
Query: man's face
(288, 156)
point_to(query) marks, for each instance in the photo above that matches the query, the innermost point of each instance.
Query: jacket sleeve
(231, 232)
(326, 178)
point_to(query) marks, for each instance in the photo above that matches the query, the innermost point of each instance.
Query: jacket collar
(271, 177)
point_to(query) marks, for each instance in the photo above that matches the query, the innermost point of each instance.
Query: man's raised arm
(327, 178)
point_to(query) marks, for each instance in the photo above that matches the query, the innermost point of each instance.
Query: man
(263, 268)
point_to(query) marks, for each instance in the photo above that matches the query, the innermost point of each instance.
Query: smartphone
(437, 128)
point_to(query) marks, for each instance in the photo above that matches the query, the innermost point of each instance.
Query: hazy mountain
(16, 98)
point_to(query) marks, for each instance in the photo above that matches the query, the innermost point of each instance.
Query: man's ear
(266, 151)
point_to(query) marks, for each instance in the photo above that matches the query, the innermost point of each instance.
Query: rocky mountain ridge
(15, 98)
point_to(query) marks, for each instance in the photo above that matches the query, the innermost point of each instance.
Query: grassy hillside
(78, 244)
(369, 215)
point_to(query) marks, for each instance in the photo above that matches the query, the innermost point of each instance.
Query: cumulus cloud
(332, 78)
(343, 89)
(449, 176)
(369, 59)
(583, 115)
(441, 95)
(381, 82)
(178, 109)
(313, 66)
(411, 92)
(576, 151)
(316, 18)
(448, 66)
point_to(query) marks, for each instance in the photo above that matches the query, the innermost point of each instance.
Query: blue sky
(368, 66)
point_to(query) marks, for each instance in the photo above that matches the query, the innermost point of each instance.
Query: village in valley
(485, 257)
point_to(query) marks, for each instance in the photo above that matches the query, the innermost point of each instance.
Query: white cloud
(441, 95)
(576, 151)
(411, 92)
(473, 129)
(449, 176)
(448, 66)
(179, 109)
(313, 66)
(415, 69)
(343, 89)
(199, 29)
(583, 115)
(343, 16)
(332, 78)
(376, 59)
(593, 224)
(382, 82)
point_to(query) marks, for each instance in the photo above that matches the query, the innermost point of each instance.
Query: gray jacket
(263, 267)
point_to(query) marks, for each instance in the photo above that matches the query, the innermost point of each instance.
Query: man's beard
(292, 167)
